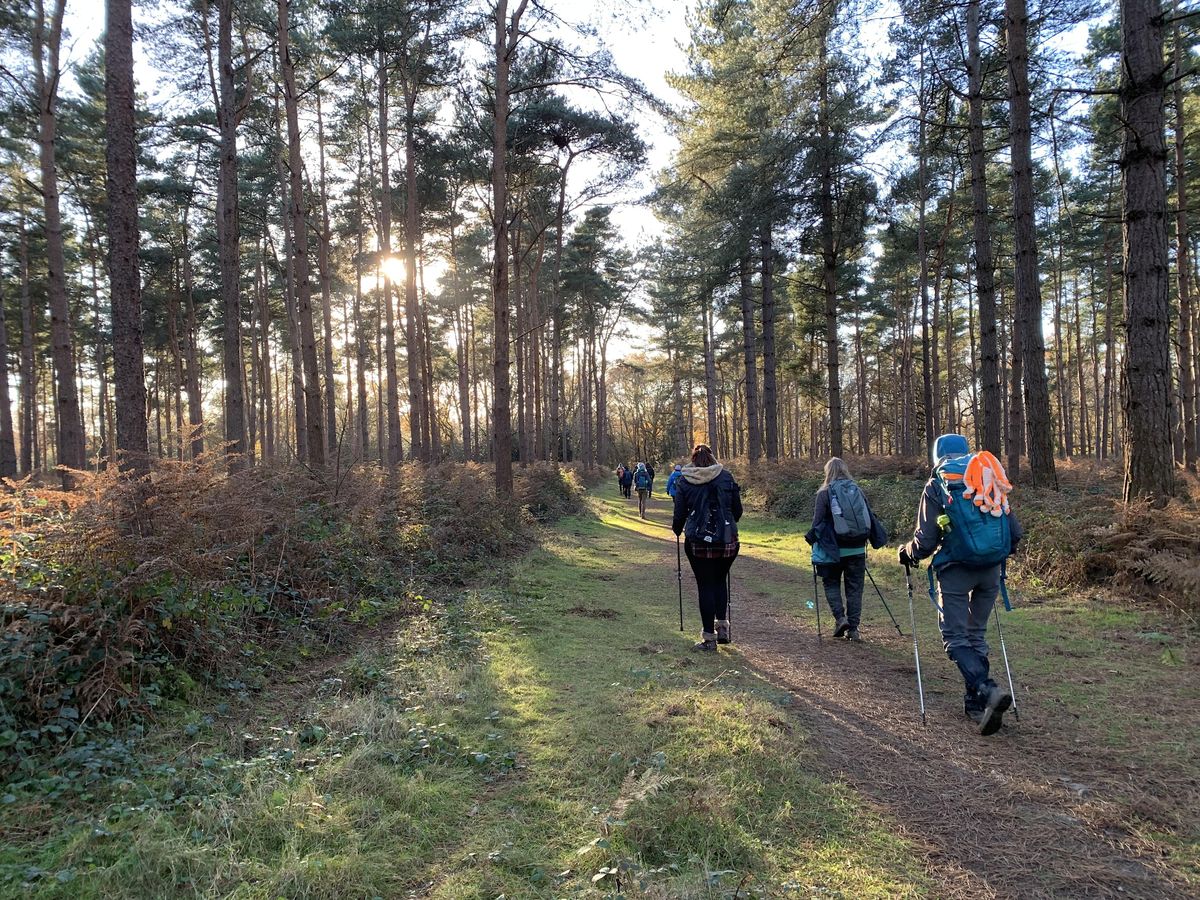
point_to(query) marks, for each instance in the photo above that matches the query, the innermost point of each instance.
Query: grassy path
(555, 738)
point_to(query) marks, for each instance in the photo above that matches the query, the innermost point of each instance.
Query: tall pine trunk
(8, 444)
(123, 272)
(507, 33)
(227, 238)
(326, 276)
(770, 391)
(29, 438)
(1187, 374)
(750, 356)
(1146, 398)
(1027, 290)
(829, 261)
(395, 444)
(46, 46)
(417, 415)
(313, 414)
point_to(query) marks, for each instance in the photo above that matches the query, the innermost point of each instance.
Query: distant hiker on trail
(627, 482)
(708, 505)
(672, 478)
(650, 469)
(965, 523)
(842, 525)
(621, 478)
(642, 481)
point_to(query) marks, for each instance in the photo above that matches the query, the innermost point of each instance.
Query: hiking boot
(992, 716)
(708, 642)
(855, 636)
(843, 625)
(723, 632)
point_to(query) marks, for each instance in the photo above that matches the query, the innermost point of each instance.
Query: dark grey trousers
(966, 597)
(852, 570)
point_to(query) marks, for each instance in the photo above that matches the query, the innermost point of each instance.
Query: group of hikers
(963, 522)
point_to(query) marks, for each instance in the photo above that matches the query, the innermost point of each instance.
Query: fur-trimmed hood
(702, 474)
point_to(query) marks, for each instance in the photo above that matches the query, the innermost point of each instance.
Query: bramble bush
(118, 596)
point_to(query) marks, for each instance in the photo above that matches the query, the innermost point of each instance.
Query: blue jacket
(671, 479)
(823, 535)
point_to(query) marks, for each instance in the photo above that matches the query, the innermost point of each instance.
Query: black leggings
(711, 577)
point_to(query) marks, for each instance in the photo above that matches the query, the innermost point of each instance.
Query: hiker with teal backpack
(842, 526)
(964, 522)
(642, 483)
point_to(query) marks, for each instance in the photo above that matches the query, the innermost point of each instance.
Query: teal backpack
(969, 535)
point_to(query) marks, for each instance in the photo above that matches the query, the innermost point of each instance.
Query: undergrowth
(1081, 536)
(118, 598)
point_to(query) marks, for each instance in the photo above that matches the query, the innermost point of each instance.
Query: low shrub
(118, 596)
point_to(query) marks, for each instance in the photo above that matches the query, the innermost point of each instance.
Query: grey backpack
(850, 517)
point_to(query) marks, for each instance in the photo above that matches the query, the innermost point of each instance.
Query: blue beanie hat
(948, 446)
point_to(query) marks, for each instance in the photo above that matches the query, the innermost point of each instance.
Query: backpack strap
(933, 598)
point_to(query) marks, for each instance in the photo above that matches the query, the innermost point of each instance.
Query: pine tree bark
(417, 414)
(710, 373)
(750, 358)
(1187, 374)
(326, 275)
(29, 438)
(46, 44)
(1027, 291)
(1146, 376)
(8, 444)
(228, 233)
(985, 285)
(829, 261)
(124, 275)
(923, 264)
(313, 414)
(507, 34)
(770, 389)
(395, 444)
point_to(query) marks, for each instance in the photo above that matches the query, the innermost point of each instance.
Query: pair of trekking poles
(912, 616)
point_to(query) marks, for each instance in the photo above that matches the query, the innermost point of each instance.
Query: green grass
(541, 739)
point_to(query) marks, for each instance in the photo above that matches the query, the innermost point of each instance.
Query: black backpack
(711, 524)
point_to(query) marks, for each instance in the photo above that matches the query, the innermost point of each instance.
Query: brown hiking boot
(708, 643)
(723, 632)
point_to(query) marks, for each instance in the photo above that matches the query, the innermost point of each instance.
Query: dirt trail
(1028, 813)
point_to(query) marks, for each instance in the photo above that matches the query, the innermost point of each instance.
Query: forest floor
(551, 735)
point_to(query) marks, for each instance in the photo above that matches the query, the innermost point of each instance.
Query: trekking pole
(816, 602)
(729, 603)
(885, 603)
(679, 578)
(1007, 669)
(916, 649)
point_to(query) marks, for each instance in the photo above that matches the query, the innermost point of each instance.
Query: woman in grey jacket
(842, 526)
